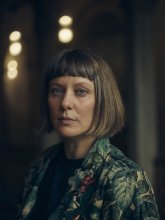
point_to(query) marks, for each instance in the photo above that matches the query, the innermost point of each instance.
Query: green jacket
(108, 186)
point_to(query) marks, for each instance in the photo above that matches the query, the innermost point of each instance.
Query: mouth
(66, 119)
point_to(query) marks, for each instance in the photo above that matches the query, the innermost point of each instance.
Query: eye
(81, 92)
(56, 90)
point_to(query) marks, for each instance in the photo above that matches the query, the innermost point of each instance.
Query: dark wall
(104, 26)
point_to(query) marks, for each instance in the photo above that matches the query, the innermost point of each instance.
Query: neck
(77, 148)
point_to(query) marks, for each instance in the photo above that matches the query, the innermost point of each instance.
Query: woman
(84, 176)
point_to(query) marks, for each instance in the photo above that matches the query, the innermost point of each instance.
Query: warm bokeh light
(12, 74)
(65, 20)
(65, 35)
(15, 48)
(12, 65)
(15, 36)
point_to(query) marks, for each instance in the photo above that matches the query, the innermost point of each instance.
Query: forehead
(70, 80)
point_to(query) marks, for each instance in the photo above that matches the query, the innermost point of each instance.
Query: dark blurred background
(128, 34)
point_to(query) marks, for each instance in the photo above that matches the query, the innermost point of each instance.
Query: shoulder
(126, 181)
(124, 170)
(116, 167)
(114, 159)
(121, 162)
(111, 158)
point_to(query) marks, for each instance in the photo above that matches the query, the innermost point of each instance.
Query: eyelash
(58, 91)
(81, 92)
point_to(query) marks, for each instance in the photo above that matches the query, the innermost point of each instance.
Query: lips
(66, 119)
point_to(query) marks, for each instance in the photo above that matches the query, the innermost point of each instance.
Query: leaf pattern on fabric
(108, 186)
(143, 186)
(123, 189)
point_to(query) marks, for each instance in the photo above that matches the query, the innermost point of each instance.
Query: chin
(70, 134)
(64, 135)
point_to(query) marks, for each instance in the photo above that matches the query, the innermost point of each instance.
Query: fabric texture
(108, 186)
(53, 185)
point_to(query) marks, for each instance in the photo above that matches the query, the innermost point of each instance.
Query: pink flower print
(88, 180)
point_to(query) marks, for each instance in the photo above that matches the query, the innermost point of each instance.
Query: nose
(67, 101)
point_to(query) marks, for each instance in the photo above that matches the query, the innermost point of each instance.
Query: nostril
(66, 106)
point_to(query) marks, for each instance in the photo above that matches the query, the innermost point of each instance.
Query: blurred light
(12, 74)
(15, 35)
(15, 48)
(65, 20)
(65, 35)
(12, 65)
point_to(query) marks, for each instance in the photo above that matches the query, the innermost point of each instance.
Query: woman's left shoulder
(123, 162)
(127, 187)
(123, 169)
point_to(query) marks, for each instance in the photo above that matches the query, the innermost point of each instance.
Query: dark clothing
(54, 185)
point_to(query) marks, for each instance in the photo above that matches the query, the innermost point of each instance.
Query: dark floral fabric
(108, 186)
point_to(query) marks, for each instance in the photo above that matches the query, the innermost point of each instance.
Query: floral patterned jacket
(108, 186)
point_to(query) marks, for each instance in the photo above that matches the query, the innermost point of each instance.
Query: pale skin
(71, 103)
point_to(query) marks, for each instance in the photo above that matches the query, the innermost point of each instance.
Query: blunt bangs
(71, 63)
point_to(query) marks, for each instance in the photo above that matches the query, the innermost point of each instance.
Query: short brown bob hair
(109, 111)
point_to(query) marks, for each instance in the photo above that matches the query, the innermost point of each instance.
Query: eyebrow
(75, 84)
(82, 83)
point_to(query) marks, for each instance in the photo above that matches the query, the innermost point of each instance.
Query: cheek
(89, 110)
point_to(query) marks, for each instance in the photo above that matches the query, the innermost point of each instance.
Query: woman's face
(71, 102)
